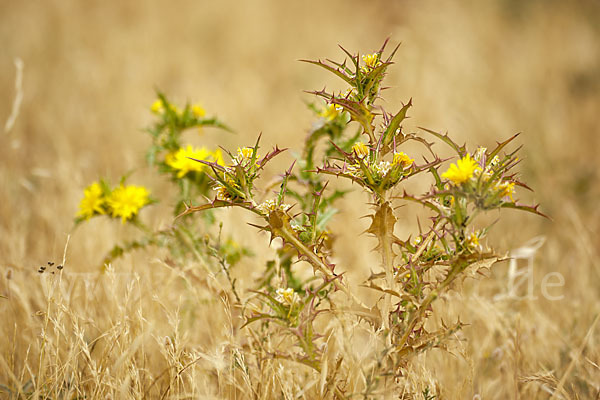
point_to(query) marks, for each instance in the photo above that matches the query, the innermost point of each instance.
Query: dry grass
(479, 69)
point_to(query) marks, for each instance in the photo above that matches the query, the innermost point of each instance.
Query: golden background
(481, 70)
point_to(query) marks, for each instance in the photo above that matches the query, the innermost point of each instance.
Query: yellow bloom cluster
(198, 111)
(472, 240)
(402, 160)
(244, 154)
(331, 111)
(287, 296)
(361, 150)
(462, 171)
(126, 201)
(92, 202)
(158, 107)
(371, 60)
(271, 205)
(382, 168)
(222, 191)
(123, 202)
(181, 161)
(507, 189)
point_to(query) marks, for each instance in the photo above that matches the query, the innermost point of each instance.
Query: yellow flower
(507, 189)
(92, 201)
(198, 111)
(222, 193)
(218, 157)
(402, 160)
(287, 295)
(158, 107)
(126, 201)
(473, 240)
(245, 154)
(361, 150)
(331, 111)
(270, 205)
(371, 60)
(181, 162)
(462, 171)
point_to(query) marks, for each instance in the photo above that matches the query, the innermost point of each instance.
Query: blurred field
(482, 70)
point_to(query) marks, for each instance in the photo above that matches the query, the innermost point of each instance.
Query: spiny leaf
(275, 152)
(382, 224)
(359, 113)
(330, 69)
(214, 204)
(501, 145)
(461, 150)
(212, 164)
(395, 123)
(353, 58)
(531, 209)
(428, 204)
(373, 286)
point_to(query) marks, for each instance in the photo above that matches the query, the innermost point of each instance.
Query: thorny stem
(433, 295)
(281, 227)
(225, 269)
(387, 258)
(415, 317)
(427, 240)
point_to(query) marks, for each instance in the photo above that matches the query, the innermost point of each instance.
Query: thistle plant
(296, 211)
(172, 158)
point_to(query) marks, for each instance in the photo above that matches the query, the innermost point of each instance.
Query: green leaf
(531, 209)
(382, 223)
(395, 124)
(330, 69)
(461, 150)
(501, 145)
(324, 218)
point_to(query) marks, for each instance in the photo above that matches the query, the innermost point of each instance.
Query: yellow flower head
(331, 111)
(126, 201)
(222, 193)
(198, 111)
(507, 189)
(92, 202)
(245, 154)
(181, 162)
(287, 295)
(402, 160)
(382, 168)
(462, 171)
(270, 205)
(158, 107)
(371, 60)
(473, 240)
(361, 150)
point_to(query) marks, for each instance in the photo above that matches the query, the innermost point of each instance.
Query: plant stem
(280, 226)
